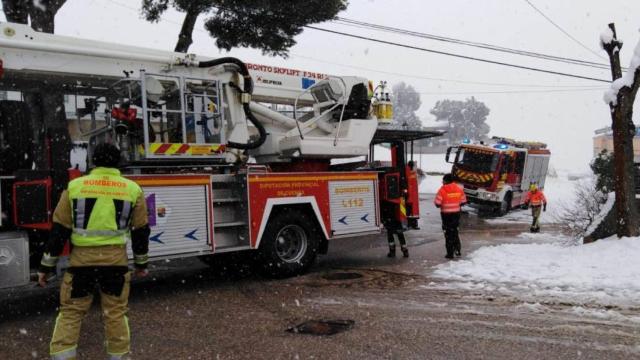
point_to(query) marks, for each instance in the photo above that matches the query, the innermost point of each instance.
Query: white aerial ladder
(188, 102)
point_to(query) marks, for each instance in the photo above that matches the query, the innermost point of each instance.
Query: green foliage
(269, 25)
(152, 10)
(467, 119)
(406, 101)
(602, 167)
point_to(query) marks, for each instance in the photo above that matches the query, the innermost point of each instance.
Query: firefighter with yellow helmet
(99, 212)
(535, 197)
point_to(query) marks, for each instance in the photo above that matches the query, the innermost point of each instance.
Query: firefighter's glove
(42, 279)
(525, 205)
(544, 207)
(141, 272)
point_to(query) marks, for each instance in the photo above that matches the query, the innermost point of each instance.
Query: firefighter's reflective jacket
(450, 198)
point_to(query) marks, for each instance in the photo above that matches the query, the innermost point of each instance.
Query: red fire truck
(497, 175)
(231, 157)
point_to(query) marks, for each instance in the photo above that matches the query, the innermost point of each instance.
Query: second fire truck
(497, 175)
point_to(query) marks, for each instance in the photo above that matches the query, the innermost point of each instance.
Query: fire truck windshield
(477, 160)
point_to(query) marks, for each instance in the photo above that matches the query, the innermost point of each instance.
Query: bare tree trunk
(51, 142)
(185, 39)
(43, 20)
(628, 223)
(53, 112)
(16, 11)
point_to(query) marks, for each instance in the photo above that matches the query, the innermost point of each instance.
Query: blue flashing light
(466, 141)
(501, 146)
(306, 83)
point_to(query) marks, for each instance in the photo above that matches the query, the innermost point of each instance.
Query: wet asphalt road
(187, 311)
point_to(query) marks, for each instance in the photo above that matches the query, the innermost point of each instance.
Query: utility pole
(627, 222)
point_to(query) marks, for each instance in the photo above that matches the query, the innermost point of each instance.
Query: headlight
(488, 196)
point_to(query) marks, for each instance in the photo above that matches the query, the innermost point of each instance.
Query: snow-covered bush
(584, 212)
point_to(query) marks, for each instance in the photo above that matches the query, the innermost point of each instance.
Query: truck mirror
(449, 149)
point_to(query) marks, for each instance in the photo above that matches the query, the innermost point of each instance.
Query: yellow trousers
(73, 309)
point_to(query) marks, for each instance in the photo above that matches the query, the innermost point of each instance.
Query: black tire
(505, 205)
(289, 244)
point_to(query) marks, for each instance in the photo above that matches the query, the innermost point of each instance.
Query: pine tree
(269, 25)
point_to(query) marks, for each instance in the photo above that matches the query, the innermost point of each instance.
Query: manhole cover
(342, 276)
(322, 327)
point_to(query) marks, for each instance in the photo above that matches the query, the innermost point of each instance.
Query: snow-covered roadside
(604, 273)
(560, 193)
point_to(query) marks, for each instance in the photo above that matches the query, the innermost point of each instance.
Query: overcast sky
(534, 106)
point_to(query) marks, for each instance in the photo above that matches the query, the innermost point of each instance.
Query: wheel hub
(291, 243)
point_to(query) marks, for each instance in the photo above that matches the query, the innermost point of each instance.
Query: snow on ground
(599, 314)
(604, 211)
(433, 163)
(435, 166)
(604, 273)
(430, 184)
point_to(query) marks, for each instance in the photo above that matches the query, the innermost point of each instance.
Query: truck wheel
(289, 244)
(505, 205)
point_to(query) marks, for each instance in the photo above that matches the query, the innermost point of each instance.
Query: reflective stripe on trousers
(64, 355)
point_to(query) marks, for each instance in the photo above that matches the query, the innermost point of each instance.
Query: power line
(511, 91)
(458, 55)
(562, 30)
(417, 48)
(439, 79)
(389, 29)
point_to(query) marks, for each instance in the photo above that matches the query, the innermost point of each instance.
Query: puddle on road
(342, 276)
(322, 327)
(358, 278)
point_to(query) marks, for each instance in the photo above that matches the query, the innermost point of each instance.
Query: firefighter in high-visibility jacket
(536, 199)
(449, 199)
(98, 213)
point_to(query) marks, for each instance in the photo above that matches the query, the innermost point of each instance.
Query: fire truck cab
(497, 175)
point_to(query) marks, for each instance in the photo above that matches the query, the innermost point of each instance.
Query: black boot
(405, 251)
(392, 251)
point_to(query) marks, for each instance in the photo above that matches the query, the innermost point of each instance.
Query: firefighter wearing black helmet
(98, 212)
